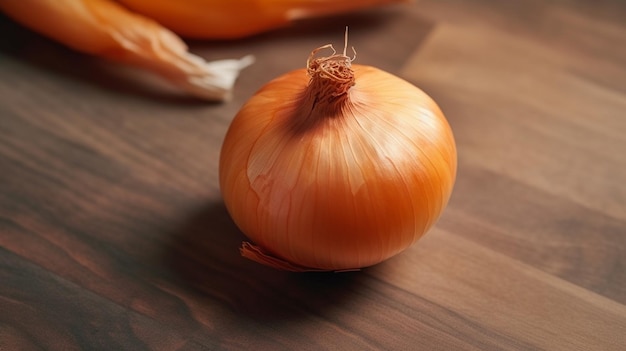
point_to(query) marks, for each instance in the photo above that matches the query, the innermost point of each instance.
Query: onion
(336, 167)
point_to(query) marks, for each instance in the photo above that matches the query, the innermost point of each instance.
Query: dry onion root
(336, 167)
(106, 29)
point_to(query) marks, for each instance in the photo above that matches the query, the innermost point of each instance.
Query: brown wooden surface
(113, 235)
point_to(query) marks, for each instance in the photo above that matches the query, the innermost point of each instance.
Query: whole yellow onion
(336, 167)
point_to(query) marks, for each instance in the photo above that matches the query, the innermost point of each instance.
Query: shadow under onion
(205, 256)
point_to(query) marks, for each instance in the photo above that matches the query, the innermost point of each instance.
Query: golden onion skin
(337, 186)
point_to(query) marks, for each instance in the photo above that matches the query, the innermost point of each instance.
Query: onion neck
(331, 78)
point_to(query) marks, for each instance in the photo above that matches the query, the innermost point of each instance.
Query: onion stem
(330, 76)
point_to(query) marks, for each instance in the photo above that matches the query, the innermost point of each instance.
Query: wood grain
(546, 147)
(113, 234)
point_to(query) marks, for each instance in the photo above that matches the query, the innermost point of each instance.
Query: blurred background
(113, 234)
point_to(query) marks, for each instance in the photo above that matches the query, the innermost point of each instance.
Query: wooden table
(113, 235)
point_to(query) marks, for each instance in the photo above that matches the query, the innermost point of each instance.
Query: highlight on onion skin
(336, 167)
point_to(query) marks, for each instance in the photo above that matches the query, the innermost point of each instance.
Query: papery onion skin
(338, 184)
